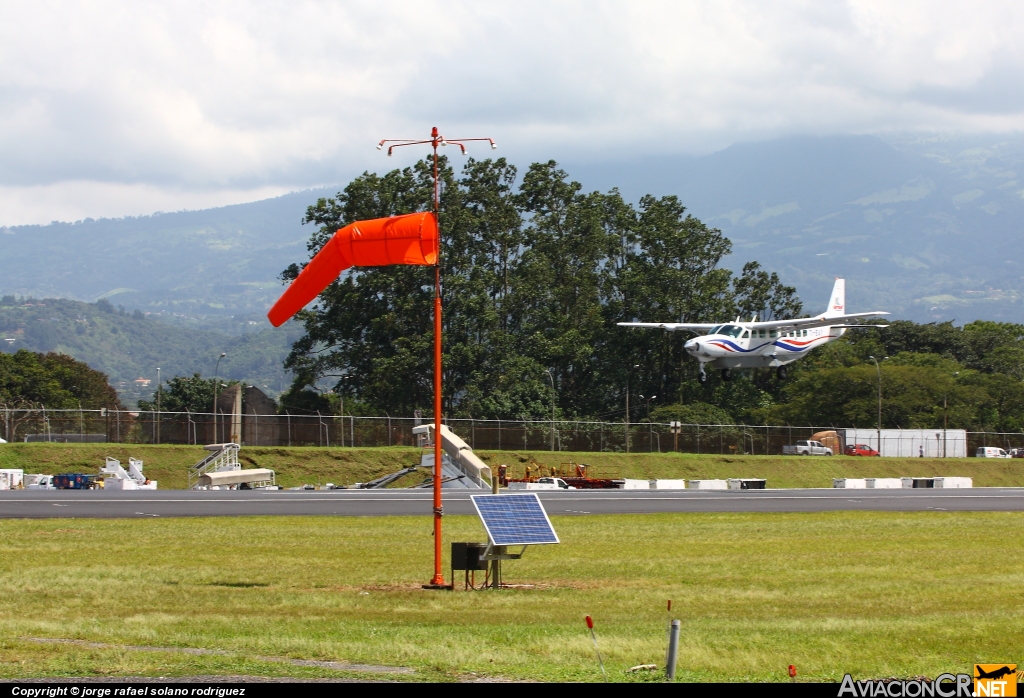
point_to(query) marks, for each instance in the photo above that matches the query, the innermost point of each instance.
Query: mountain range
(928, 228)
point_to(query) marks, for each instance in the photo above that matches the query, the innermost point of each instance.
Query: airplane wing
(671, 326)
(819, 321)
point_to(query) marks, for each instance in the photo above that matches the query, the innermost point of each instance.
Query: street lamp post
(216, 383)
(879, 424)
(628, 370)
(945, 422)
(340, 394)
(158, 404)
(547, 371)
(650, 426)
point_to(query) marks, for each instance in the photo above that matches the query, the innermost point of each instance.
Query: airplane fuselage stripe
(733, 347)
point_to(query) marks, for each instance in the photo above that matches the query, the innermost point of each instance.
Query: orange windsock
(409, 239)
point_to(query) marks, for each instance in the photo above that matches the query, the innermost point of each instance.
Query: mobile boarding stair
(222, 457)
(460, 467)
(115, 477)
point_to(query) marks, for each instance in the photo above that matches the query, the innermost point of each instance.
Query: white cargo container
(883, 483)
(708, 485)
(636, 484)
(849, 483)
(668, 484)
(910, 443)
(11, 478)
(954, 482)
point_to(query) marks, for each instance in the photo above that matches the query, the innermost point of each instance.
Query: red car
(860, 450)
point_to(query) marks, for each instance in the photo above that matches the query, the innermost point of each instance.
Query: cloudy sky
(123, 108)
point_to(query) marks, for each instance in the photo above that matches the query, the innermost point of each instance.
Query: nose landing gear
(781, 372)
(702, 377)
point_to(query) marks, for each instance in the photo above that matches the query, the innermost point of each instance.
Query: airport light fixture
(435, 141)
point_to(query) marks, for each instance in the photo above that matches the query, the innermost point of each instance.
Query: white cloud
(237, 96)
(908, 192)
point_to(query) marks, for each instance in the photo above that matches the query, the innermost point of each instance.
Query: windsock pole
(438, 580)
(435, 140)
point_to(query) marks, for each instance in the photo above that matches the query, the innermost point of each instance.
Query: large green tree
(54, 381)
(536, 274)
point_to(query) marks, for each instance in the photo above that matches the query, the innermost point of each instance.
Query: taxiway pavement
(48, 504)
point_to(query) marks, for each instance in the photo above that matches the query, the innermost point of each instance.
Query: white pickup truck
(544, 483)
(807, 448)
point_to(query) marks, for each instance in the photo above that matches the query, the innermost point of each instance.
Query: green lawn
(874, 594)
(300, 465)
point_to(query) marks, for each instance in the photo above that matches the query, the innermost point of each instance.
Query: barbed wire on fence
(347, 431)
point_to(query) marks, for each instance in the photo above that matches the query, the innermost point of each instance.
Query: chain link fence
(334, 431)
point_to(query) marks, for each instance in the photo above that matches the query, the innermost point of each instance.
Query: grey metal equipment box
(468, 556)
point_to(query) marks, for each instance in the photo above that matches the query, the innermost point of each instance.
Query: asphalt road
(43, 504)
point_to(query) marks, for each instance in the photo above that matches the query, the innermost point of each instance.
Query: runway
(43, 504)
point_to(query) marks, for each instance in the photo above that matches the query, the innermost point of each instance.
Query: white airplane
(765, 344)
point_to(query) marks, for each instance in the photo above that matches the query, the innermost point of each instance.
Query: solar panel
(514, 519)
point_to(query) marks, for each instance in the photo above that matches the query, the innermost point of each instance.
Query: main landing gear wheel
(781, 372)
(727, 374)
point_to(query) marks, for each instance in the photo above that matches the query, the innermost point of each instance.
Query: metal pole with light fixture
(628, 370)
(436, 140)
(216, 383)
(158, 404)
(945, 422)
(650, 426)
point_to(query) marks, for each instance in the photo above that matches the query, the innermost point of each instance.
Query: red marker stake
(593, 636)
(792, 673)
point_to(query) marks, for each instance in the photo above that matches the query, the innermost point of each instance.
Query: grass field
(874, 594)
(298, 466)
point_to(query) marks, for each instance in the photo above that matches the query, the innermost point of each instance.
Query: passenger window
(805, 333)
(771, 333)
(760, 333)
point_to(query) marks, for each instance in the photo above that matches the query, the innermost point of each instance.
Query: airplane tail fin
(837, 301)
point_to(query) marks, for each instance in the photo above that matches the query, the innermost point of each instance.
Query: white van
(991, 452)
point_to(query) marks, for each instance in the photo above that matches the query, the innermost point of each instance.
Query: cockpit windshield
(728, 330)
